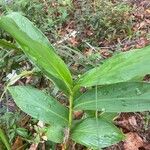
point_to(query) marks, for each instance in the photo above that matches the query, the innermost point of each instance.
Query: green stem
(70, 110)
(66, 143)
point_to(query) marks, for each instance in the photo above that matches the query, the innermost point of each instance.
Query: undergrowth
(95, 22)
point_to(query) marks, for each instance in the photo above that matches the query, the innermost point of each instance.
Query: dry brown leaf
(89, 32)
(129, 122)
(142, 24)
(148, 11)
(33, 147)
(73, 41)
(133, 121)
(133, 141)
(105, 53)
(18, 144)
(147, 146)
(88, 52)
(142, 42)
(147, 21)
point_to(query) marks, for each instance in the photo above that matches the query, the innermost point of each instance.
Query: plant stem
(70, 110)
(66, 143)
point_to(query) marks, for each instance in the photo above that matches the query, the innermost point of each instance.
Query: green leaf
(96, 133)
(90, 113)
(125, 66)
(37, 47)
(4, 139)
(109, 116)
(55, 133)
(120, 97)
(39, 105)
(22, 132)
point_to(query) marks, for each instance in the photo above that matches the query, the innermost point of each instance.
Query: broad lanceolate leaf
(39, 105)
(120, 97)
(55, 133)
(96, 133)
(36, 46)
(126, 66)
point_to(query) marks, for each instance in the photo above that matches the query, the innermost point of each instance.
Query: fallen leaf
(148, 11)
(129, 122)
(133, 141)
(73, 41)
(105, 53)
(146, 146)
(142, 24)
(132, 121)
(88, 52)
(33, 147)
(142, 42)
(18, 144)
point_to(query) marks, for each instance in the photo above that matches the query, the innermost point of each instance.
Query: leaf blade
(37, 47)
(109, 116)
(4, 139)
(96, 134)
(55, 133)
(120, 97)
(126, 66)
(39, 105)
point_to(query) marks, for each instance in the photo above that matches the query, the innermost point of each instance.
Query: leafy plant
(115, 86)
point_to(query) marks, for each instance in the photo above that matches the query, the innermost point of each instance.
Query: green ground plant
(113, 87)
